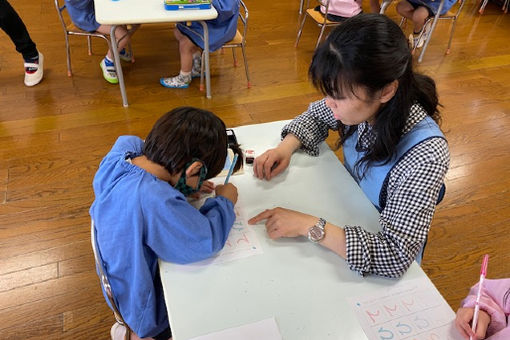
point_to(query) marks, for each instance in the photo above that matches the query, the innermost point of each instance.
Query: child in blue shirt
(83, 15)
(141, 214)
(418, 11)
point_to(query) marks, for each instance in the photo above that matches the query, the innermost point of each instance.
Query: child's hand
(207, 187)
(463, 323)
(229, 191)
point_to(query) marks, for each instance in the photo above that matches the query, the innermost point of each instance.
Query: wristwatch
(317, 232)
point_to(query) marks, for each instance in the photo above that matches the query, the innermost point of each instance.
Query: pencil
(234, 161)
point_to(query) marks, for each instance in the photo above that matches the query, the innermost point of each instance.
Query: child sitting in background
(191, 43)
(141, 214)
(340, 10)
(83, 15)
(418, 11)
(493, 314)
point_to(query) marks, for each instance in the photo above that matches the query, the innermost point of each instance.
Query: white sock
(185, 74)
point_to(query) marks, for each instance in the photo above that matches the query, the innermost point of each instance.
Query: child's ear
(193, 169)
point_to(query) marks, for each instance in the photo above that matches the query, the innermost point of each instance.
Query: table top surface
(117, 12)
(303, 285)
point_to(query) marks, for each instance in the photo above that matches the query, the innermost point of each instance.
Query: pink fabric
(343, 8)
(491, 301)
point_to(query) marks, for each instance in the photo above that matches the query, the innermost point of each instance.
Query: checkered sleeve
(411, 197)
(312, 126)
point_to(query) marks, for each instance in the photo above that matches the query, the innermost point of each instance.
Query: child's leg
(186, 50)
(405, 9)
(375, 7)
(120, 33)
(420, 15)
(12, 24)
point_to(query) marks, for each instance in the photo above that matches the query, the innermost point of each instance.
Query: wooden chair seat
(319, 17)
(238, 40)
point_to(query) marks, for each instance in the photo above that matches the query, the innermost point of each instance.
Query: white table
(123, 12)
(301, 284)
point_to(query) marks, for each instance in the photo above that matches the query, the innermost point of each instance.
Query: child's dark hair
(186, 133)
(370, 51)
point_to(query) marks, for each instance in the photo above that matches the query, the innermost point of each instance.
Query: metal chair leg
(89, 44)
(246, 65)
(451, 36)
(68, 53)
(301, 3)
(320, 36)
(234, 56)
(300, 30)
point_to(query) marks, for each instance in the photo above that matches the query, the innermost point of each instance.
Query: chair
(104, 281)
(239, 40)
(452, 15)
(319, 18)
(71, 29)
(504, 8)
(384, 6)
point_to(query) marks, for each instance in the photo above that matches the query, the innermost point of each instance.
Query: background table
(301, 284)
(123, 12)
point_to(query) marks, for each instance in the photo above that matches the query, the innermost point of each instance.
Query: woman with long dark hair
(386, 116)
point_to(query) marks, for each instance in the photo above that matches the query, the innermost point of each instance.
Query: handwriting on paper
(410, 310)
(242, 240)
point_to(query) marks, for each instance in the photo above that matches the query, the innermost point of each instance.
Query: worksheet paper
(262, 330)
(242, 240)
(410, 310)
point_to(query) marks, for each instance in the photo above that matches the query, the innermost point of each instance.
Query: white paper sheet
(242, 240)
(410, 310)
(262, 330)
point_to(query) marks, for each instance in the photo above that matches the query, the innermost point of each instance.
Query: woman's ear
(388, 91)
(193, 169)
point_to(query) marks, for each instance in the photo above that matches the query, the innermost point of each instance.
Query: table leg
(206, 53)
(118, 66)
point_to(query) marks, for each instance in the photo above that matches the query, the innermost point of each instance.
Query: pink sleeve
(503, 334)
(492, 302)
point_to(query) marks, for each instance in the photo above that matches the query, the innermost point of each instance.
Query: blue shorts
(83, 14)
(416, 5)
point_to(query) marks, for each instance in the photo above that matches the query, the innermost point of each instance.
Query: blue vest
(377, 175)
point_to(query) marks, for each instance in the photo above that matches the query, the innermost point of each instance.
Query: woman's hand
(282, 222)
(464, 319)
(229, 191)
(271, 163)
(274, 161)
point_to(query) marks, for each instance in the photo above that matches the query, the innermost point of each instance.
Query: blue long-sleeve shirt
(140, 218)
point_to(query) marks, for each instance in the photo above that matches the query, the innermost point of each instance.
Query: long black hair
(370, 51)
(186, 133)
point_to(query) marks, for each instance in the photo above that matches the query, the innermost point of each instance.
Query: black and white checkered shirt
(411, 194)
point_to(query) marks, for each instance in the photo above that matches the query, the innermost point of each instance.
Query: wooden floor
(53, 136)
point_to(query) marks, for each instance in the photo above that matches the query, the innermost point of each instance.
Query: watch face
(315, 234)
